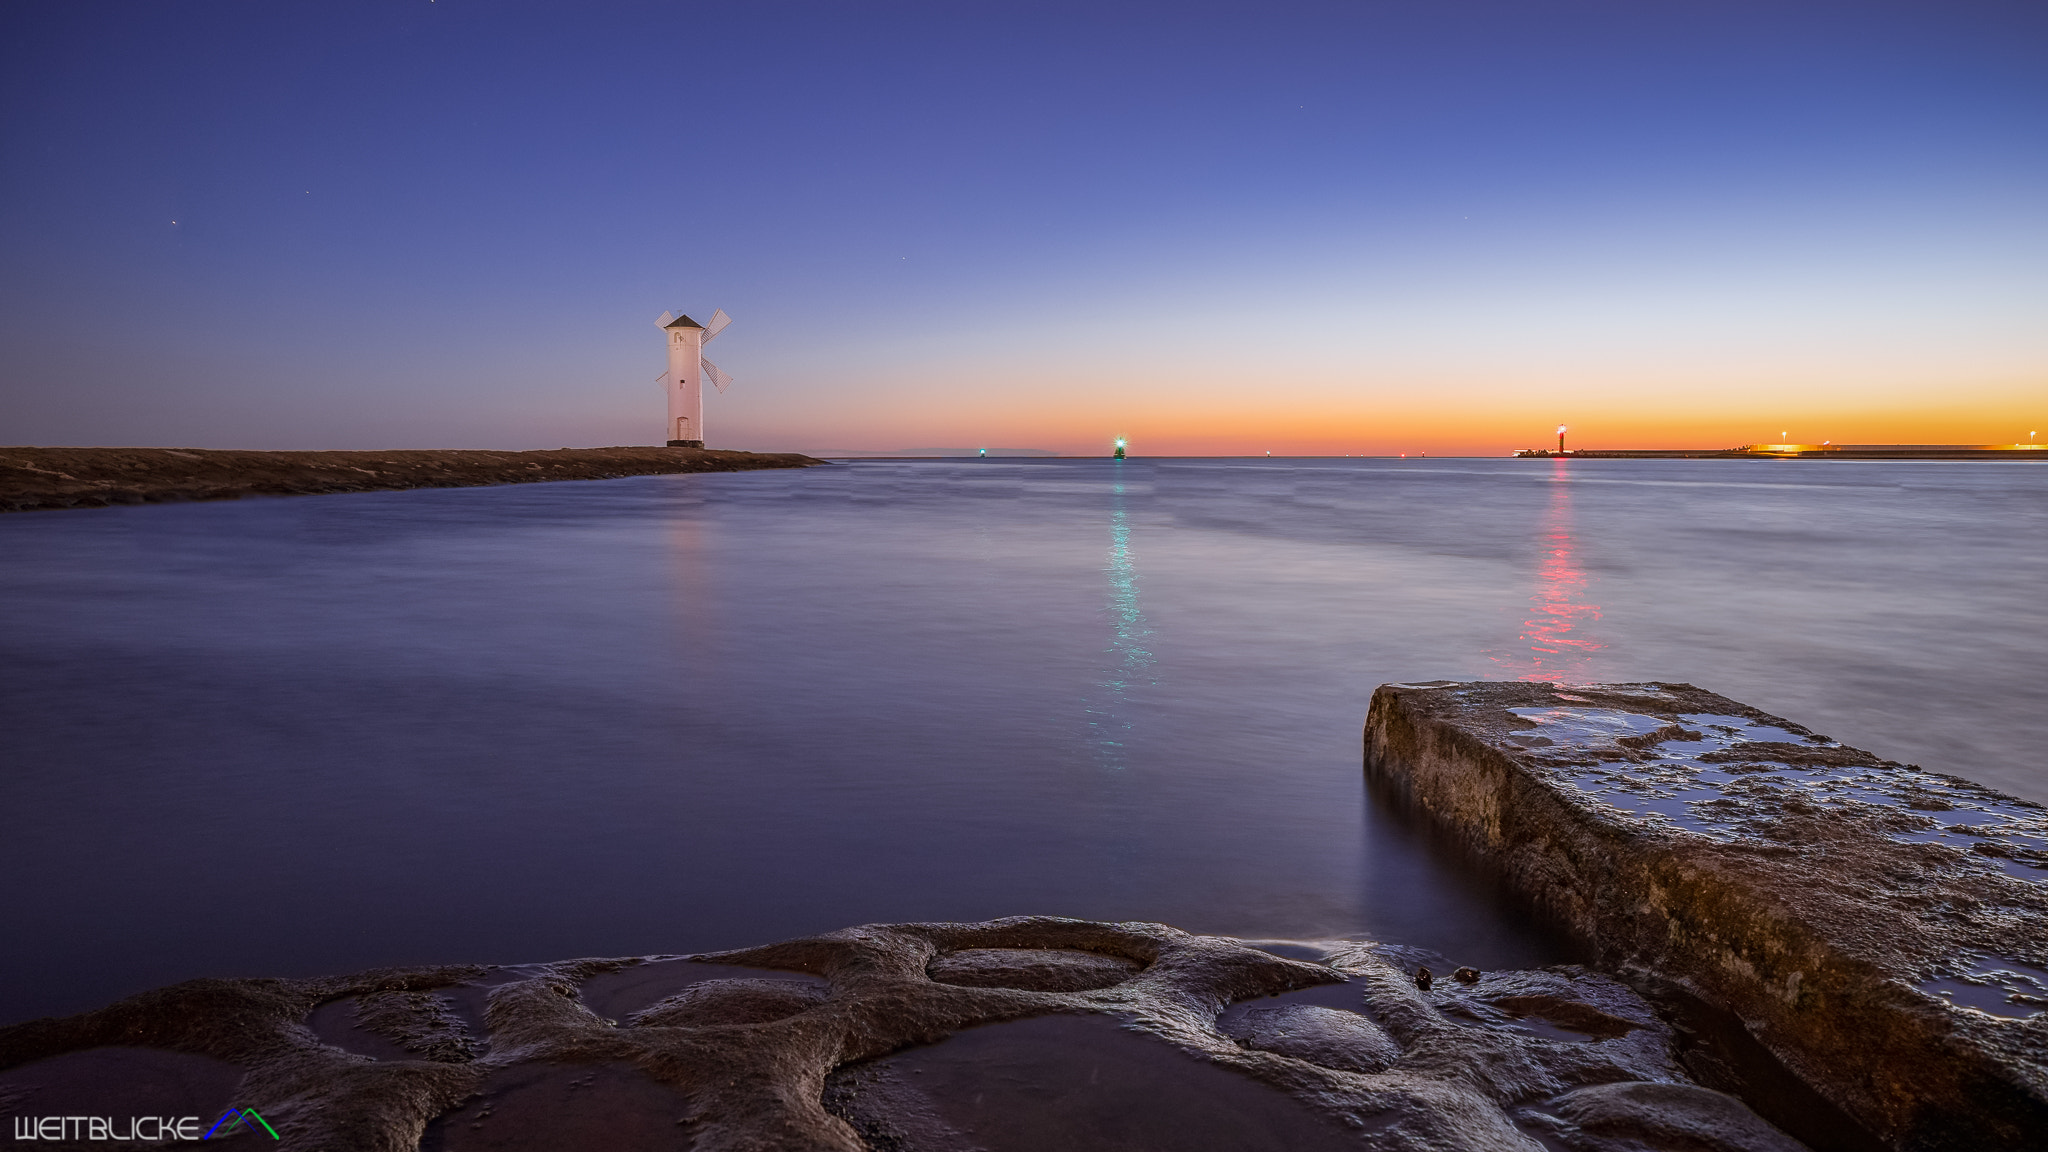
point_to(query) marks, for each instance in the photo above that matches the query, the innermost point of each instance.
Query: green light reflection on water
(1130, 661)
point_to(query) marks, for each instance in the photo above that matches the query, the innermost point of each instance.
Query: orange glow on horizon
(1468, 433)
(1165, 415)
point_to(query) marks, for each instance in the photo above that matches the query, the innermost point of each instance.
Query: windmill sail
(665, 317)
(662, 379)
(718, 322)
(712, 373)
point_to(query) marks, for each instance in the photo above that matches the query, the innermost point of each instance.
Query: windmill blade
(662, 380)
(717, 377)
(718, 322)
(665, 318)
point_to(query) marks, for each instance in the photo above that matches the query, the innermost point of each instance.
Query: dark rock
(1423, 978)
(730, 1002)
(1642, 1117)
(422, 1023)
(1466, 975)
(634, 987)
(1568, 1014)
(1662, 735)
(1036, 969)
(1325, 1036)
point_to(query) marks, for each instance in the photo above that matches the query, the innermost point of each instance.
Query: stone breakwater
(1022, 1034)
(1882, 930)
(41, 478)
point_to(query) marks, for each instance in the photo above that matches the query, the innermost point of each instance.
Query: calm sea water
(279, 737)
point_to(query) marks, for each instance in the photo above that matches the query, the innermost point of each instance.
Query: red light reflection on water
(1559, 646)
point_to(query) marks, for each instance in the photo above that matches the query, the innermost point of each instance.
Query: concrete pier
(1881, 929)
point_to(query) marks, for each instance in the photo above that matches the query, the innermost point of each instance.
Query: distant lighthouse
(687, 368)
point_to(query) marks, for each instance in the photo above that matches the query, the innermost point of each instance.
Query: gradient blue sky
(1315, 227)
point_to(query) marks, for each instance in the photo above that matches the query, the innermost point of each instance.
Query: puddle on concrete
(1742, 728)
(1727, 776)
(1996, 986)
(1587, 727)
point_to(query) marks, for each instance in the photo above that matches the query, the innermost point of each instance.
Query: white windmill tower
(687, 370)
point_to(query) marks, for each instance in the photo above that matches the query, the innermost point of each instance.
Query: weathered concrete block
(1883, 930)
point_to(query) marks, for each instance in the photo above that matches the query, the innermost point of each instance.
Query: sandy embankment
(36, 478)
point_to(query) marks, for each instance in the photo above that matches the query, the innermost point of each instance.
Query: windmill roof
(684, 322)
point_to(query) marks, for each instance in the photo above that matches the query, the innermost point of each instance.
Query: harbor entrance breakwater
(46, 478)
(1824, 451)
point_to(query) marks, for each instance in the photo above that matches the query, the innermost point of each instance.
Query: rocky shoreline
(1882, 930)
(48, 478)
(1005, 1036)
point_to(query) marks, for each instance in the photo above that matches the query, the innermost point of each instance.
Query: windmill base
(686, 443)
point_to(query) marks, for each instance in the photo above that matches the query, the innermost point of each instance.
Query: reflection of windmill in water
(687, 369)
